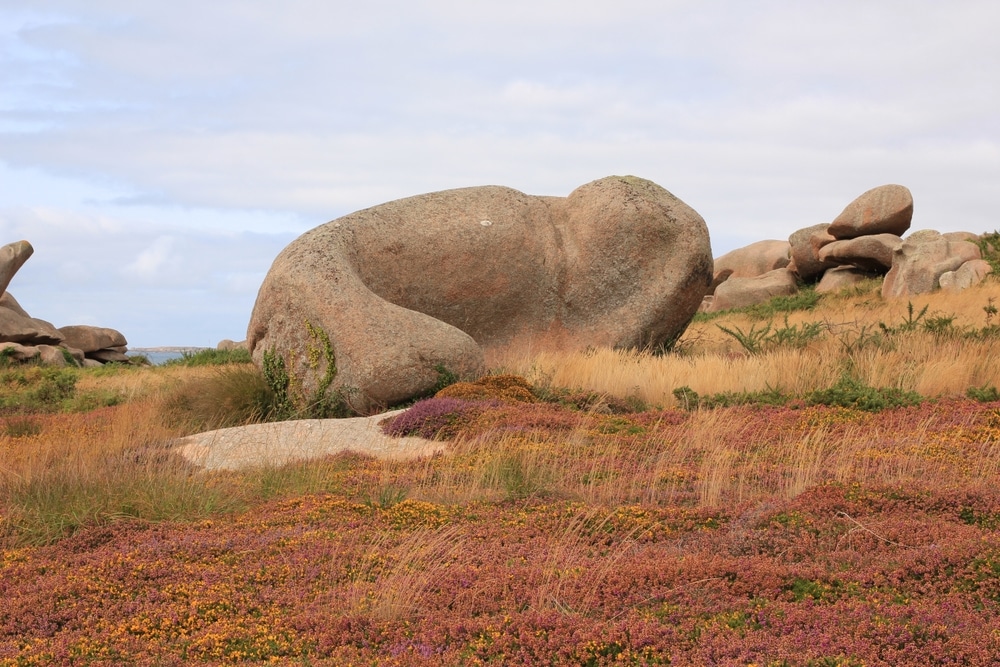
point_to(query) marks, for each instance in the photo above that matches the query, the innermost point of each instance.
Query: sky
(158, 156)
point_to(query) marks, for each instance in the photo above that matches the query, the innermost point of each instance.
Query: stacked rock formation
(397, 293)
(25, 338)
(864, 241)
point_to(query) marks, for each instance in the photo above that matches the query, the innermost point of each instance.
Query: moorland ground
(808, 482)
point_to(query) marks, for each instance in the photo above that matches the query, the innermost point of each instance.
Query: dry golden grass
(715, 362)
(713, 458)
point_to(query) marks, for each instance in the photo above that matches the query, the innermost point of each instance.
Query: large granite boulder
(8, 301)
(870, 253)
(920, 261)
(743, 292)
(839, 277)
(970, 273)
(887, 209)
(752, 260)
(805, 245)
(410, 287)
(91, 339)
(16, 328)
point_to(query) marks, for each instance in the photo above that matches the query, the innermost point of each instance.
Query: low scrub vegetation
(210, 357)
(831, 501)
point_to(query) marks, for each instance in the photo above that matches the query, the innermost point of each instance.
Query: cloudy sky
(159, 155)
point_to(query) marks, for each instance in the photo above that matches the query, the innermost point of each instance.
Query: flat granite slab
(279, 443)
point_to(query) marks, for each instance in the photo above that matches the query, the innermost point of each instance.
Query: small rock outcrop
(397, 292)
(865, 242)
(25, 338)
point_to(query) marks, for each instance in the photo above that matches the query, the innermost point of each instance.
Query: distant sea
(159, 355)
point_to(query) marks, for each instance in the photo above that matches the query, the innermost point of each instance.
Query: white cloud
(153, 261)
(123, 124)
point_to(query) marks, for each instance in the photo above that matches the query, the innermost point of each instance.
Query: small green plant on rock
(290, 399)
(276, 376)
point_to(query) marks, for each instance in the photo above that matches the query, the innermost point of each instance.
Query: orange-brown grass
(942, 363)
(59, 472)
(710, 457)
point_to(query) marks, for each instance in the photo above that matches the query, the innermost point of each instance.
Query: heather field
(814, 483)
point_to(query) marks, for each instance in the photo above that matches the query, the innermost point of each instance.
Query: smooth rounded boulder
(887, 209)
(398, 293)
(753, 260)
(870, 253)
(91, 339)
(805, 245)
(743, 292)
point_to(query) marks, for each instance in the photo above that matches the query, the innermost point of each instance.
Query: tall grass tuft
(231, 395)
(109, 465)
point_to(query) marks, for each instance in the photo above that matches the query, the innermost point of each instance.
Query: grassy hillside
(808, 483)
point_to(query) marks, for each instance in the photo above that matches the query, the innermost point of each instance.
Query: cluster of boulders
(403, 292)
(26, 338)
(864, 241)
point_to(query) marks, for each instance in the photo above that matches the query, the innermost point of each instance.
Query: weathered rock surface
(970, 273)
(413, 285)
(12, 257)
(226, 345)
(918, 265)
(92, 339)
(107, 356)
(887, 209)
(752, 260)
(8, 301)
(869, 253)
(840, 277)
(16, 328)
(742, 292)
(805, 246)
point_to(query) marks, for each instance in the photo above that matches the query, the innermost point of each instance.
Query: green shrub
(989, 246)
(211, 357)
(34, 388)
(688, 399)
(758, 341)
(22, 427)
(984, 394)
(850, 392)
(805, 299)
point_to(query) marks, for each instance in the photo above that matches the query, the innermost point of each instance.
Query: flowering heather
(434, 417)
(764, 536)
